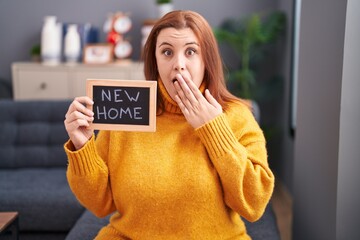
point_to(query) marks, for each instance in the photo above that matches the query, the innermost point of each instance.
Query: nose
(179, 64)
(179, 68)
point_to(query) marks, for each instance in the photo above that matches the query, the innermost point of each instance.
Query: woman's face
(179, 52)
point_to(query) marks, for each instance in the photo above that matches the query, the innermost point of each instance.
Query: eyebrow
(189, 43)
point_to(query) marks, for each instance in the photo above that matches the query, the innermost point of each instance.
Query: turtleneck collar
(169, 104)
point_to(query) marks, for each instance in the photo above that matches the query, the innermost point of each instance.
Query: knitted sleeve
(88, 177)
(241, 162)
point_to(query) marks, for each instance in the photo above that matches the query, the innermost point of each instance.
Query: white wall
(348, 195)
(326, 164)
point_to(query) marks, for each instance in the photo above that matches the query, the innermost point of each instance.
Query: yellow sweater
(175, 183)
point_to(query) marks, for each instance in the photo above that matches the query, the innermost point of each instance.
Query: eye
(190, 51)
(167, 52)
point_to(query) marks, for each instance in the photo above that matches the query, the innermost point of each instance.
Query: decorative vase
(164, 8)
(72, 44)
(146, 28)
(51, 41)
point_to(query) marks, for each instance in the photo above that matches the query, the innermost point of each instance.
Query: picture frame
(98, 53)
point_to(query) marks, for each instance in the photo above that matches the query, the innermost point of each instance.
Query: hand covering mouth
(175, 78)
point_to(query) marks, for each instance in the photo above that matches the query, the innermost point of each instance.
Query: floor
(282, 205)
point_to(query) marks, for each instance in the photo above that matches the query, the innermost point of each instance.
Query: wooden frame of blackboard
(151, 85)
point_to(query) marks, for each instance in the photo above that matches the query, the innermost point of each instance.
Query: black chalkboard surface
(128, 105)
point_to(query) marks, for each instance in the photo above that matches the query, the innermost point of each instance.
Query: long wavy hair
(214, 73)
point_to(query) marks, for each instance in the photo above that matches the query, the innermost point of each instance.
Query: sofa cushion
(41, 196)
(40, 236)
(265, 227)
(87, 227)
(32, 133)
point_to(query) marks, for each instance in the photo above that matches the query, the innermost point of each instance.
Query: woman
(203, 168)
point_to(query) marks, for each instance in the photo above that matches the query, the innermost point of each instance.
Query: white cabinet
(38, 81)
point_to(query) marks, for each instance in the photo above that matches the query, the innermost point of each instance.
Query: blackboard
(127, 105)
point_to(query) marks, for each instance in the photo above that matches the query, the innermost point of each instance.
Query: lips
(175, 78)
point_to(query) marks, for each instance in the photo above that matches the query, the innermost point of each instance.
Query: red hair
(214, 74)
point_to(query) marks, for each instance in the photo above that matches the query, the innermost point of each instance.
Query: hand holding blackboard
(127, 105)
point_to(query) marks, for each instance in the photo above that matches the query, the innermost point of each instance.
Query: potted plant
(35, 53)
(248, 38)
(164, 6)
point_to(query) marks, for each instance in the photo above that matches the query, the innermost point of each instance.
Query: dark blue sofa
(33, 180)
(32, 169)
